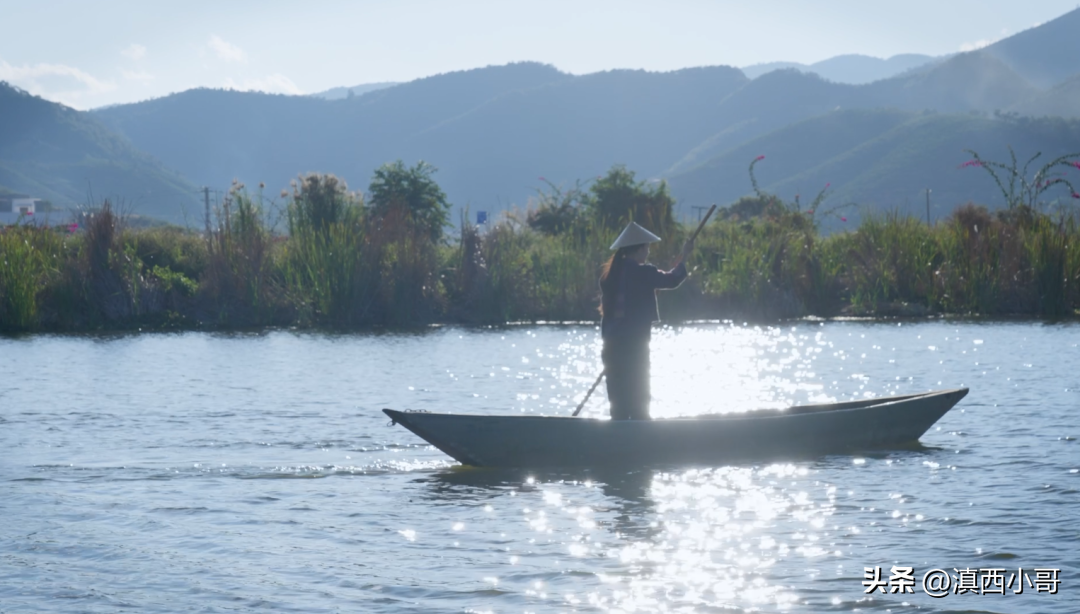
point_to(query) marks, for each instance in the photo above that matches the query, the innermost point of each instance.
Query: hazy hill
(765, 104)
(964, 82)
(337, 93)
(1047, 54)
(1062, 100)
(574, 129)
(214, 136)
(494, 131)
(491, 131)
(754, 71)
(789, 151)
(54, 152)
(884, 159)
(852, 69)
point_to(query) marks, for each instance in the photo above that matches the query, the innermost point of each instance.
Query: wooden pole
(702, 224)
(588, 394)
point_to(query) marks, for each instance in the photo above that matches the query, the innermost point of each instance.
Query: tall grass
(108, 281)
(764, 265)
(888, 259)
(1054, 255)
(239, 282)
(403, 263)
(330, 262)
(342, 268)
(29, 258)
(513, 273)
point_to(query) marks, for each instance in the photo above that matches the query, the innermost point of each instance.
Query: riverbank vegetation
(336, 260)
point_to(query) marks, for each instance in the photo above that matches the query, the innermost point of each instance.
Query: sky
(90, 54)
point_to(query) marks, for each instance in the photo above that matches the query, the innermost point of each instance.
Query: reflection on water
(144, 473)
(660, 541)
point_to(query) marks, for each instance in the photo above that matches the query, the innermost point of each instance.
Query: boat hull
(796, 432)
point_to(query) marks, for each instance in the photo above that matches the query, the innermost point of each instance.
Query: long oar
(702, 224)
(588, 394)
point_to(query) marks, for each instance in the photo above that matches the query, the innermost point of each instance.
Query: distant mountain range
(852, 69)
(494, 132)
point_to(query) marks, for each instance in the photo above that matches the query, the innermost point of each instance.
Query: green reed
(238, 284)
(407, 287)
(525, 275)
(889, 258)
(1053, 254)
(29, 258)
(762, 265)
(348, 270)
(323, 263)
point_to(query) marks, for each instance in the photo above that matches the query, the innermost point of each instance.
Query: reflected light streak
(723, 538)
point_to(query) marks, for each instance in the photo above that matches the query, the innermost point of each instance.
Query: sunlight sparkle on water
(714, 540)
(725, 368)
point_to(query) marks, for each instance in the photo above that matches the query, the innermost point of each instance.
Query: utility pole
(927, 206)
(206, 200)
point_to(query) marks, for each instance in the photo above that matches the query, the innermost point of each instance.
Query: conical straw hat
(634, 235)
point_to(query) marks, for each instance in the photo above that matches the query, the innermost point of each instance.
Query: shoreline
(435, 326)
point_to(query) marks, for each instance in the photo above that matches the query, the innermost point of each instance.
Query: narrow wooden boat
(795, 432)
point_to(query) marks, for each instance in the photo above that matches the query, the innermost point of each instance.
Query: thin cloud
(984, 42)
(134, 51)
(979, 44)
(141, 75)
(276, 83)
(58, 82)
(226, 51)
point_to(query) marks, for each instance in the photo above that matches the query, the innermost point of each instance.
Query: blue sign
(481, 217)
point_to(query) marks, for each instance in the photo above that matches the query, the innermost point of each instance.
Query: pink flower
(1075, 195)
(810, 212)
(542, 179)
(759, 158)
(971, 163)
(1076, 164)
(843, 219)
(827, 185)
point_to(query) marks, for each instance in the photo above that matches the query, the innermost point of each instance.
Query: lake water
(255, 473)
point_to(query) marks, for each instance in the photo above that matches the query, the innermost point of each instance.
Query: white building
(14, 207)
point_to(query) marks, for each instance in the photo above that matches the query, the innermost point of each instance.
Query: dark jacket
(630, 301)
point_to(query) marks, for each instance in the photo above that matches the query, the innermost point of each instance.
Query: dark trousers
(626, 368)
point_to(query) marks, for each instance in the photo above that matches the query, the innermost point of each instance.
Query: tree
(558, 211)
(411, 194)
(618, 199)
(318, 202)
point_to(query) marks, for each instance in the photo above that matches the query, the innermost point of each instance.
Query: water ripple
(190, 471)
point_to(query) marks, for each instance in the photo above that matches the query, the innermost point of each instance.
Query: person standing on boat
(628, 288)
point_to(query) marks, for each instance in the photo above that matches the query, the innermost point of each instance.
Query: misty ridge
(894, 129)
